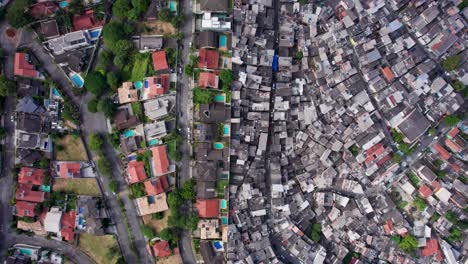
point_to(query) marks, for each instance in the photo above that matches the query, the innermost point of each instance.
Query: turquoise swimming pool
(95, 33)
(77, 80)
(220, 98)
(45, 188)
(63, 4)
(224, 220)
(26, 251)
(129, 133)
(173, 6)
(223, 41)
(223, 204)
(226, 130)
(138, 85)
(153, 142)
(55, 92)
(218, 145)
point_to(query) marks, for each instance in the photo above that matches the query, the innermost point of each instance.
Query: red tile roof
(388, 74)
(383, 160)
(86, 21)
(25, 209)
(31, 175)
(159, 60)
(155, 187)
(24, 192)
(435, 185)
(208, 208)
(425, 191)
(136, 171)
(68, 225)
(452, 145)
(444, 154)
(158, 85)
(23, 67)
(431, 248)
(162, 249)
(68, 169)
(160, 160)
(453, 132)
(388, 227)
(455, 167)
(208, 59)
(43, 9)
(208, 80)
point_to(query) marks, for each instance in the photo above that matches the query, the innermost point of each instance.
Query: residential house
(66, 169)
(207, 39)
(161, 249)
(89, 213)
(149, 43)
(24, 209)
(43, 9)
(214, 5)
(208, 208)
(31, 176)
(208, 80)
(124, 118)
(160, 61)
(156, 86)
(208, 59)
(151, 204)
(155, 187)
(156, 108)
(160, 161)
(24, 66)
(70, 41)
(86, 21)
(127, 93)
(136, 171)
(209, 229)
(49, 29)
(24, 192)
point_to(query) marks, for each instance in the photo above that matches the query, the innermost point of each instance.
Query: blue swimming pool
(218, 145)
(26, 251)
(55, 92)
(63, 4)
(173, 6)
(77, 80)
(138, 85)
(222, 41)
(129, 133)
(95, 33)
(226, 130)
(223, 204)
(224, 220)
(218, 245)
(220, 98)
(45, 188)
(153, 142)
(146, 83)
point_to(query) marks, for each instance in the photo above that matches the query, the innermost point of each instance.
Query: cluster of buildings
(71, 43)
(321, 100)
(23, 254)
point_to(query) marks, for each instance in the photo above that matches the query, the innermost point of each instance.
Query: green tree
(315, 232)
(396, 158)
(105, 60)
(95, 142)
(123, 47)
(432, 131)
(3, 132)
(396, 239)
(95, 82)
(451, 120)
(226, 77)
(451, 217)
(299, 55)
(76, 7)
(458, 86)
(452, 62)
(165, 14)
(420, 203)
(115, 31)
(140, 6)
(92, 105)
(104, 166)
(169, 234)
(408, 243)
(455, 235)
(107, 107)
(17, 15)
(192, 222)
(188, 191)
(148, 231)
(120, 8)
(44, 163)
(7, 87)
(113, 79)
(174, 200)
(157, 216)
(114, 186)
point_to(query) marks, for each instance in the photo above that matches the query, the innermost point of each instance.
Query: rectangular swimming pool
(218, 145)
(223, 204)
(129, 133)
(223, 41)
(77, 80)
(220, 98)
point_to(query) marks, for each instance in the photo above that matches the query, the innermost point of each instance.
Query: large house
(24, 66)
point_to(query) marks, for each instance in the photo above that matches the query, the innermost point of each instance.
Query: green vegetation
(80, 186)
(171, 55)
(140, 67)
(157, 216)
(189, 67)
(114, 186)
(96, 83)
(408, 244)
(396, 239)
(169, 234)
(166, 15)
(402, 146)
(413, 178)
(172, 151)
(16, 14)
(138, 190)
(460, 87)
(315, 232)
(114, 139)
(451, 63)
(396, 158)
(131, 10)
(148, 231)
(145, 157)
(226, 77)
(434, 217)
(432, 131)
(354, 150)
(299, 55)
(402, 204)
(455, 235)
(95, 142)
(463, 4)
(203, 96)
(102, 249)
(137, 110)
(451, 120)
(420, 203)
(92, 105)
(107, 107)
(175, 199)
(113, 80)
(104, 167)
(115, 31)
(7, 87)
(220, 186)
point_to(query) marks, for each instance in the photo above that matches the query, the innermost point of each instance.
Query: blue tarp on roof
(274, 65)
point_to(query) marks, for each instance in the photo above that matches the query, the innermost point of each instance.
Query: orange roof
(425, 191)
(452, 145)
(68, 225)
(86, 21)
(444, 154)
(136, 171)
(67, 169)
(25, 208)
(23, 67)
(162, 249)
(160, 160)
(24, 192)
(159, 60)
(435, 185)
(455, 167)
(158, 85)
(155, 187)
(31, 175)
(208, 208)
(453, 132)
(431, 248)
(388, 74)
(208, 79)
(208, 59)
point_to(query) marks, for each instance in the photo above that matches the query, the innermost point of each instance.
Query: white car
(190, 44)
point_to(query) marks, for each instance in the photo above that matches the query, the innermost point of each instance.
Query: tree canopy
(107, 107)
(96, 83)
(408, 243)
(226, 78)
(169, 234)
(451, 120)
(16, 14)
(95, 142)
(452, 63)
(92, 105)
(120, 8)
(113, 79)
(7, 87)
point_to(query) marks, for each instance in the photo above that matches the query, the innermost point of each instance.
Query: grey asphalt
(184, 103)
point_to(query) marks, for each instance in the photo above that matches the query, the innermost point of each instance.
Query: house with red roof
(208, 80)
(136, 171)
(444, 154)
(208, 59)
(155, 187)
(31, 176)
(24, 67)
(24, 192)
(86, 21)
(160, 159)
(67, 169)
(388, 74)
(425, 191)
(25, 209)
(208, 208)
(161, 249)
(160, 60)
(157, 85)
(431, 247)
(67, 222)
(43, 9)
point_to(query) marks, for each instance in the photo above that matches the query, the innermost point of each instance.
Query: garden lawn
(156, 28)
(97, 247)
(140, 67)
(73, 148)
(80, 186)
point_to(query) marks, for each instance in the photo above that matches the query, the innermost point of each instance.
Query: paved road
(184, 121)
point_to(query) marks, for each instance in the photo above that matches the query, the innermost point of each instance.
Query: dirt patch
(158, 225)
(73, 149)
(99, 248)
(156, 28)
(174, 259)
(83, 186)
